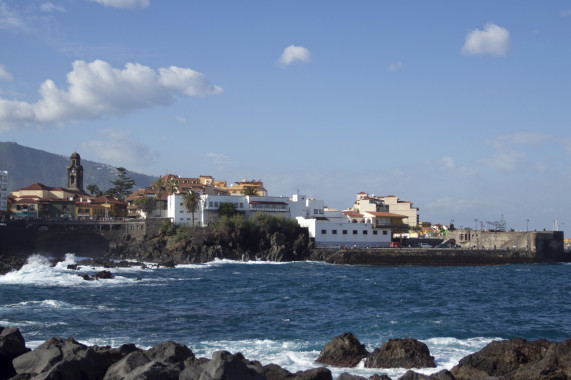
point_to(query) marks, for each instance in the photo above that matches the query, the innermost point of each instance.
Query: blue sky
(459, 107)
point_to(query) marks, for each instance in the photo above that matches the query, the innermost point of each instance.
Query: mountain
(26, 166)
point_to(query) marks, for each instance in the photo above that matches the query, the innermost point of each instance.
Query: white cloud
(396, 66)
(218, 158)
(51, 7)
(96, 89)
(10, 19)
(448, 162)
(125, 4)
(493, 40)
(119, 148)
(294, 53)
(4, 75)
(508, 156)
(565, 13)
(181, 119)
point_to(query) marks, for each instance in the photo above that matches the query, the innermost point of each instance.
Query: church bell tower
(75, 173)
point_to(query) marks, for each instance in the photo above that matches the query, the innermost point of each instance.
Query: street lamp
(476, 220)
(527, 226)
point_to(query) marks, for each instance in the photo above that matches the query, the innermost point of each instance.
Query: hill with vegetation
(26, 166)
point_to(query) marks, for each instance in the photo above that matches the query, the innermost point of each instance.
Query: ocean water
(285, 313)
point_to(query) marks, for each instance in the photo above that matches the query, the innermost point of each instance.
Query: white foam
(39, 271)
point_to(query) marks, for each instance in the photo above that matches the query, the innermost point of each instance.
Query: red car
(395, 244)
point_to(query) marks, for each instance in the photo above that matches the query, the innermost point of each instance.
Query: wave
(40, 271)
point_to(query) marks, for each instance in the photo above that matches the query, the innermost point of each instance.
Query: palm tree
(158, 185)
(191, 201)
(171, 186)
(249, 190)
(93, 189)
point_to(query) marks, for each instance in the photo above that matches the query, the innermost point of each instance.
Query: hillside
(26, 166)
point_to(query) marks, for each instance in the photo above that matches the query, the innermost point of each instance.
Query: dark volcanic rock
(171, 352)
(126, 365)
(518, 359)
(344, 350)
(224, 365)
(348, 376)
(59, 359)
(10, 263)
(442, 375)
(12, 345)
(403, 353)
(103, 275)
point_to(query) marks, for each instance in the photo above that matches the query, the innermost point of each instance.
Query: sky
(460, 107)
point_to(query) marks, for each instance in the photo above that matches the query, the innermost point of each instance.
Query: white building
(208, 208)
(328, 228)
(3, 190)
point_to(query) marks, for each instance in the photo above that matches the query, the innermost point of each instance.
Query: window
(365, 232)
(241, 205)
(334, 232)
(385, 232)
(181, 204)
(215, 204)
(32, 207)
(323, 232)
(354, 232)
(344, 232)
(181, 211)
(210, 204)
(375, 232)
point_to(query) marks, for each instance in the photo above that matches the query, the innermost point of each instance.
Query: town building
(390, 203)
(39, 201)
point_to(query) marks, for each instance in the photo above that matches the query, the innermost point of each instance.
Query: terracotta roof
(385, 214)
(37, 186)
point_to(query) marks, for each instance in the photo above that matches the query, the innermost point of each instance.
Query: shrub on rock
(344, 350)
(401, 353)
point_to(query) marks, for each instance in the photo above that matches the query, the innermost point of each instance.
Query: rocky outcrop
(10, 263)
(518, 359)
(12, 345)
(344, 350)
(442, 375)
(401, 353)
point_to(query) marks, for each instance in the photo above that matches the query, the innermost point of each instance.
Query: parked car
(395, 244)
(425, 245)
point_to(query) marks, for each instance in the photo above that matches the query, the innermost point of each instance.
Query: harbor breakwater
(142, 240)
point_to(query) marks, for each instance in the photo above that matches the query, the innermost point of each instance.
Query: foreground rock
(12, 345)
(518, 359)
(10, 263)
(344, 350)
(401, 353)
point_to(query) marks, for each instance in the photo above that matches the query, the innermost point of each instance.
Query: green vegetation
(227, 209)
(145, 204)
(94, 190)
(249, 190)
(122, 186)
(191, 201)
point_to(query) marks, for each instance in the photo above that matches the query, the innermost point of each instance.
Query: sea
(285, 313)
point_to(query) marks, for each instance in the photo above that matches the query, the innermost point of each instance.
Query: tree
(227, 209)
(145, 204)
(249, 190)
(122, 186)
(191, 201)
(171, 186)
(158, 185)
(93, 189)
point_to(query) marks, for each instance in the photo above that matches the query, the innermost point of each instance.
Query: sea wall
(139, 239)
(426, 257)
(85, 238)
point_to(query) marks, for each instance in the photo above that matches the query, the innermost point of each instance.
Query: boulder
(123, 367)
(12, 345)
(442, 375)
(518, 359)
(59, 359)
(401, 353)
(501, 358)
(224, 366)
(344, 350)
(154, 371)
(103, 275)
(320, 373)
(170, 352)
(348, 376)
(379, 377)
